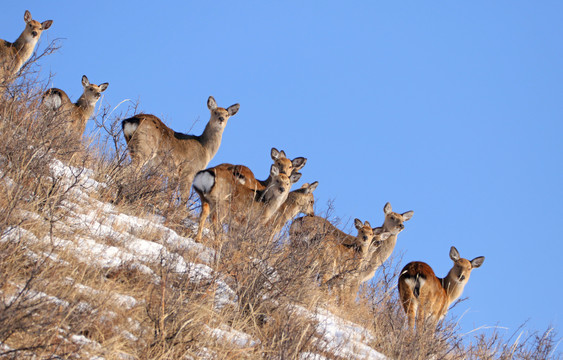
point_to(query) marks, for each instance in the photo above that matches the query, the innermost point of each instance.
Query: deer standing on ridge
(393, 224)
(221, 198)
(298, 201)
(244, 176)
(76, 114)
(148, 140)
(381, 248)
(420, 290)
(14, 55)
(341, 252)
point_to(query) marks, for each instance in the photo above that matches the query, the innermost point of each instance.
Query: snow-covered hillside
(98, 236)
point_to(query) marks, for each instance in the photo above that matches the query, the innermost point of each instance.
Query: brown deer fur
(149, 140)
(221, 198)
(422, 292)
(75, 114)
(298, 201)
(342, 252)
(245, 176)
(14, 55)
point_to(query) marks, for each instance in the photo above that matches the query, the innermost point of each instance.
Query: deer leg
(202, 217)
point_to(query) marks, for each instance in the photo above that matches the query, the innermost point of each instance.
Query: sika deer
(245, 177)
(76, 114)
(421, 291)
(221, 198)
(381, 251)
(342, 252)
(300, 200)
(148, 139)
(14, 55)
(381, 248)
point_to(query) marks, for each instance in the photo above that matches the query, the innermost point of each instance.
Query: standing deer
(341, 252)
(393, 224)
(14, 55)
(381, 248)
(76, 114)
(221, 198)
(245, 177)
(421, 291)
(148, 139)
(300, 200)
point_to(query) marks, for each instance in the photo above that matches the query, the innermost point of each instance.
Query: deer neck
(86, 106)
(452, 287)
(384, 249)
(210, 139)
(272, 205)
(288, 209)
(24, 46)
(381, 251)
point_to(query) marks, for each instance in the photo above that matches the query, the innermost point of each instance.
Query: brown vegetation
(96, 260)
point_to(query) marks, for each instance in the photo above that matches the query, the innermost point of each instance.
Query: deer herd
(229, 191)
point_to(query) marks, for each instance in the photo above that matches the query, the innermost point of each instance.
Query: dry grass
(61, 298)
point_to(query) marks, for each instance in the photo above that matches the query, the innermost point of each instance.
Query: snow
(340, 337)
(99, 235)
(235, 337)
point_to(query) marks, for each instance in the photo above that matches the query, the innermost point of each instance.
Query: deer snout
(34, 33)
(462, 277)
(281, 189)
(402, 226)
(221, 118)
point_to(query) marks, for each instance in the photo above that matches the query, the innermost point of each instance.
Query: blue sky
(450, 109)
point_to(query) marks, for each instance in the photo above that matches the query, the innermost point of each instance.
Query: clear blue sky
(451, 109)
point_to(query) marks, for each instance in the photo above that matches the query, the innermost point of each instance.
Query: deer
(245, 176)
(298, 201)
(77, 114)
(381, 248)
(149, 139)
(220, 197)
(393, 224)
(342, 252)
(422, 292)
(14, 55)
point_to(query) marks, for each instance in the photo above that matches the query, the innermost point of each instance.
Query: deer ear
(387, 208)
(274, 171)
(275, 154)
(46, 24)
(233, 109)
(298, 163)
(305, 186)
(358, 224)
(454, 254)
(478, 261)
(294, 177)
(313, 186)
(211, 104)
(104, 86)
(407, 215)
(85, 81)
(385, 235)
(366, 223)
(27, 16)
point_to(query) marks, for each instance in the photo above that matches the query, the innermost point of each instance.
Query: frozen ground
(96, 222)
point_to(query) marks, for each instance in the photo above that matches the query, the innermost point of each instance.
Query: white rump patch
(204, 182)
(411, 282)
(52, 101)
(129, 128)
